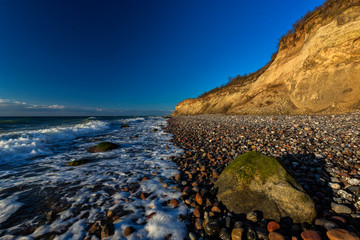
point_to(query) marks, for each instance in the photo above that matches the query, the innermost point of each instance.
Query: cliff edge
(315, 71)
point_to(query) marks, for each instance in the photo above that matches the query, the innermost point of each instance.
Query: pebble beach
(321, 152)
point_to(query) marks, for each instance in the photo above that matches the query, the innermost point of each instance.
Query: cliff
(315, 71)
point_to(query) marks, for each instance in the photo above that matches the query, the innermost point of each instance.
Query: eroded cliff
(316, 70)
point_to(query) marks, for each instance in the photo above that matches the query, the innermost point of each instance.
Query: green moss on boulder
(254, 181)
(103, 147)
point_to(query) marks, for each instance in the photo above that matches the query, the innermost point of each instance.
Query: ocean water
(41, 197)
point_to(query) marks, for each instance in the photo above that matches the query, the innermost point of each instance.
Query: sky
(131, 57)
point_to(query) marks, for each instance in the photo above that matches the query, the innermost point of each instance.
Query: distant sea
(41, 196)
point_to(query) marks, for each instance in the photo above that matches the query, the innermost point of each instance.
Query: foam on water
(8, 206)
(20, 145)
(84, 194)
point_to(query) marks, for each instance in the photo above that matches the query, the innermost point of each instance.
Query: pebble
(326, 224)
(128, 231)
(273, 226)
(237, 233)
(107, 230)
(198, 224)
(334, 185)
(276, 236)
(224, 234)
(354, 181)
(174, 202)
(310, 235)
(341, 234)
(212, 228)
(199, 199)
(338, 208)
(197, 213)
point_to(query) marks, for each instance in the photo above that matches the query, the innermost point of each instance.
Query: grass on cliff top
(252, 165)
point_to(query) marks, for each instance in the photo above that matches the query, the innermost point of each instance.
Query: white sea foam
(97, 187)
(8, 206)
(27, 144)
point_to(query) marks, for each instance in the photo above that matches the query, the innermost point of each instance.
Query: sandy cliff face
(316, 70)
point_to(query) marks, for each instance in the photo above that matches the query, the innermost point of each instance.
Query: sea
(43, 198)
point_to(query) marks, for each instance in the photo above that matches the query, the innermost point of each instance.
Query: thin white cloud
(19, 108)
(56, 107)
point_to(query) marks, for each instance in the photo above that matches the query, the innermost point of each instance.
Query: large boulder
(254, 181)
(103, 147)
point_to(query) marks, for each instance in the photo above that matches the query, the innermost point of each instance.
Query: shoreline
(321, 152)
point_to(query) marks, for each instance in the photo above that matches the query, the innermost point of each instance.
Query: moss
(253, 165)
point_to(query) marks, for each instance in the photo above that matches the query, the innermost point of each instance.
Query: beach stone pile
(322, 153)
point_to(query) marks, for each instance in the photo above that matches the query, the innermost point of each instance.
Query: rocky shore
(322, 153)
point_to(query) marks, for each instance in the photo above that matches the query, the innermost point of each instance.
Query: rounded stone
(341, 234)
(276, 236)
(237, 233)
(224, 234)
(310, 235)
(273, 226)
(128, 231)
(212, 228)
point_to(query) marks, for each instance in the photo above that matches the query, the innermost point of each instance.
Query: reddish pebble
(173, 202)
(196, 213)
(150, 215)
(215, 209)
(310, 235)
(199, 199)
(198, 224)
(338, 219)
(215, 174)
(273, 226)
(276, 236)
(145, 178)
(341, 234)
(167, 147)
(143, 196)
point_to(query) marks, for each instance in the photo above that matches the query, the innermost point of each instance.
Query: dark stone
(212, 228)
(107, 230)
(238, 224)
(224, 234)
(128, 231)
(125, 125)
(251, 234)
(78, 162)
(261, 233)
(103, 147)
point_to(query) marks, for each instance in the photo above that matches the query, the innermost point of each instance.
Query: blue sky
(125, 56)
